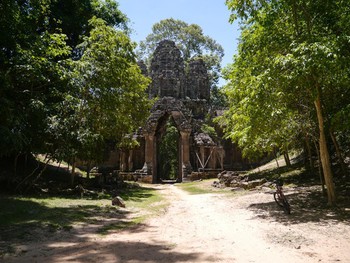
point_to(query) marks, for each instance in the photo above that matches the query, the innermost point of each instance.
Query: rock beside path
(236, 180)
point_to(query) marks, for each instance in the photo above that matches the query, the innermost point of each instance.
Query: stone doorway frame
(159, 136)
(164, 109)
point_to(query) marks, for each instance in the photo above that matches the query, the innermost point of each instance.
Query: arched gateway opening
(182, 104)
(168, 149)
(166, 114)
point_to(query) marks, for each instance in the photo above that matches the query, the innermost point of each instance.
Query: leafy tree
(168, 152)
(218, 98)
(108, 98)
(31, 72)
(257, 110)
(73, 16)
(189, 39)
(67, 84)
(291, 61)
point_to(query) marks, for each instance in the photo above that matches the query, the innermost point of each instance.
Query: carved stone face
(197, 81)
(167, 71)
(169, 77)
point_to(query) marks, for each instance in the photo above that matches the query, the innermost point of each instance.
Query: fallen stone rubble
(237, 181)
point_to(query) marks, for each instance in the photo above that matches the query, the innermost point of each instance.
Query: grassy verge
(143, 203)
(291, 175)
(26, 219)
(201, 187)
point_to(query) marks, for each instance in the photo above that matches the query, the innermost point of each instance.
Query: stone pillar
(149, 153)
(130, 161)
(202, 152)
(222, 155)
(212, 161)
(123, 164)
(155, 160)
(185, 154)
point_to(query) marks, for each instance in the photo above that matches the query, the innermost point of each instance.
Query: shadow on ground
(308, 204)
(141, 251)
(79, 248)
(40, 218)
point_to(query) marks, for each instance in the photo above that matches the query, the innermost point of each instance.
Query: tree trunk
(73, 172)
(39, 175)
(308, 148)
(338, 151)
(278, 166)
(27, 177)
(286, 157)
(88, 168)
(276, 159)
(324, 154)
(320, 168)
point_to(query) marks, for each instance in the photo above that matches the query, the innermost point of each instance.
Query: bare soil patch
(213, 227)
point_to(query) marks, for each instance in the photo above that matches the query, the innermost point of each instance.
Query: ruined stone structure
(183, 95)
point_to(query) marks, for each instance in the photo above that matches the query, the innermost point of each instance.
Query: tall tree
(72, 17)
(31, 72)
(297, 48)
(107, 99)
(69, 80)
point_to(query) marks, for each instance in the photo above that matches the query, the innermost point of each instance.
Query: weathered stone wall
(164, 108)
(199, 108)
(169, 78)
(167, 71)
(197, 80)
(183, 96)
(143, 68)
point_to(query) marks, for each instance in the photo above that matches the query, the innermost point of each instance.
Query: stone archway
(168, 148)
(165, 108)
(184, 94)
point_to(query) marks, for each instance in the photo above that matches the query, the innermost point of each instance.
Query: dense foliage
(69, 78)
(290, 81)
(168, 152)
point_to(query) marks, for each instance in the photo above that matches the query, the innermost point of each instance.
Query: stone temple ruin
(184, 98)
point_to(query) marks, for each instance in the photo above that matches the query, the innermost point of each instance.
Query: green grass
(122, 224)
(293, 174)
(194, 188)
(201, 187)
(19, 216)
(144, 202)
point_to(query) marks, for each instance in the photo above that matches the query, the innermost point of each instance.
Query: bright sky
(211, 15)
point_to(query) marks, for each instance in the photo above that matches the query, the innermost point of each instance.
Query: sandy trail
(205, 228)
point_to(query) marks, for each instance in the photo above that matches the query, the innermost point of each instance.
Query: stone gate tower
(183, 93)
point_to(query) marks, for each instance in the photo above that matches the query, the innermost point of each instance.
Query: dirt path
(209, 228)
